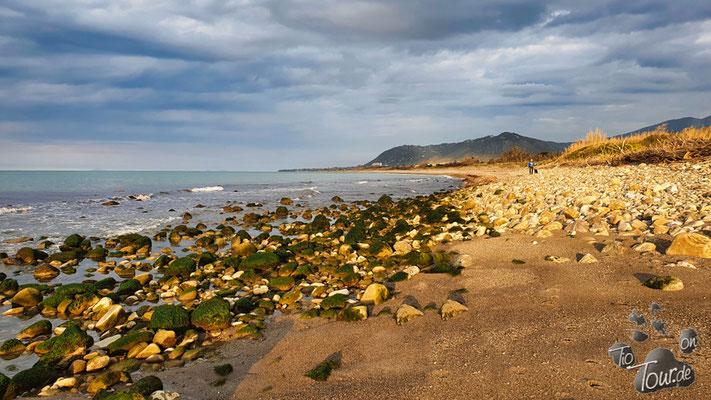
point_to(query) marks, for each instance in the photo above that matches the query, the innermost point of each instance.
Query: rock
(34, 378)
(45, 273)
(290, 297)
(571, 213)
(375, 293)
(110, 203)
(667, 283)
(97, 363)
(165, 338)
(587, 259)
(557, 259)
(335, 301)
(148, 351)
(27, 297)
(212, 314)
(11, 348)
(406, 313)
(28, 255)
(283, 283)
(463, 260)
(451, 308)
(147, 385)
(615, 248)
(352, 314)
(182, 267)
(163, 395)
(41, 327)
(71, 343)
(127, 365)
(8, 389)
(411, 271)
(129, 340)
(260, 261)
(244, 249)
(644, 247)
(691, 244)
(106, 380)
(171, 317)
(115, 315)
(402, 247)
(66, 383)
(77, 366)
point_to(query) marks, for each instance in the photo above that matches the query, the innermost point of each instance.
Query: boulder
(147, 385)
(97, 363)
(165, 338)
(27, 297)
(115, 315)
(283, 283)
(170, 317)
(351, 314)
(7, 388)
(375, 293)
(666, 283)
(106, 380)
(71, 343)
(11, 348)
(691, 244)
(451, 308)
(28, 255)
(212, 314)
(335, 301)
(406, 313)
(259, 261)
(41, 327)
(182, 267)
(45, 273)
(587, 259)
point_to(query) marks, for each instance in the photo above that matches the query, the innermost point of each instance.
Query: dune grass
(655, 146)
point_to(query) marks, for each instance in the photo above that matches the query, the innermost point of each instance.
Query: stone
(163, 395)
(41, 327)
(691, 244)
(666, 283)
(587, 259)
(70, 343)
(148, 351)
(97, 363)
(77, 366)
(106, 380)
(165, 338)
(66, 383)
(644, 247)
(351, 314)
(406, 313)
(451, 308)
(45, 273)
(147, 385)
(411, 270)
(463, 260)
(171, 317)
(571, 213)
(114, 315)
(557, 259)
(615, 248)
(212, 314)
(27, 297)
(402, 247)
(375, 293)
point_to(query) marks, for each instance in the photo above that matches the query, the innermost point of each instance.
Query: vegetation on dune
(655, 146)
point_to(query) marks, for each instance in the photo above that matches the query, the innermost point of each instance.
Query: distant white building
(377, 164)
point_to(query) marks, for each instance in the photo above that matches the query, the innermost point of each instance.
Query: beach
(542, 273)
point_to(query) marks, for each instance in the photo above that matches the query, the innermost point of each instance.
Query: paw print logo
(660, 369)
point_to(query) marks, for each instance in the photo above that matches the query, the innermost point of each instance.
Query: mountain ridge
(673, 125)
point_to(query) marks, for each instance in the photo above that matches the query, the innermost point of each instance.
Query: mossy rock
(128, 287)
(60, 348)
(161, 261)
(322, 371)
(335, 301)
(249, 331)
(259, 261)
(443, 269)
(118, 396)
(72, 289)
(41, 327)
(356, 235)
(127, 365)
(147, 385)
(666, 283)
(283, 283)
(28, 255)
(353, 314)
(182, 267)
(65, 256)
(320, 223)
(129, 340)
(11, 348)
(9, 287)
(106, 283)
(212, 314)
(136, 241)
(54, 301)
(399, 277)
(34, 378)
(8, 390)
(73, 240)
(224, 369)
(170, 317)
(97, 254)
(310, 314)
(206, 258)
(243, 305)
(290, 297)
(107, 379)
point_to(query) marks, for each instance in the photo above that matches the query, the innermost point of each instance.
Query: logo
(660, 369)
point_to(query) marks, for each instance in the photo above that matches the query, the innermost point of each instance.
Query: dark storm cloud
(335, 82)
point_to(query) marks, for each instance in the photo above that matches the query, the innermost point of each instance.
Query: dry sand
(537, 330)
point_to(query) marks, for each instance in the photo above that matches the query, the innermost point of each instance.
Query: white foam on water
(142, 197)
(361, 182)
(12, 210)
(206, 189)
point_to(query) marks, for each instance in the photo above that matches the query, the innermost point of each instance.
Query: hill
(482, 149)
(673, 125)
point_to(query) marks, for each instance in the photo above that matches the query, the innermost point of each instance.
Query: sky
(269, 84)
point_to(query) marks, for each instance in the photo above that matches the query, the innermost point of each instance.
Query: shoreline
(584, 306)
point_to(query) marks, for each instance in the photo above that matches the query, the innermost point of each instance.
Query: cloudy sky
(267, 84)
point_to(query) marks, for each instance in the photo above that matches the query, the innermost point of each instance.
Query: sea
(50, 205)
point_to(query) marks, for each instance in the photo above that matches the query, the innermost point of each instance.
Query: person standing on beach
(531, 164)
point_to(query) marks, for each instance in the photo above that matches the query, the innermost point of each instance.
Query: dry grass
(655, 146)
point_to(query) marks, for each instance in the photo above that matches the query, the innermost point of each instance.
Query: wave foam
(13, 210)
(206, 189)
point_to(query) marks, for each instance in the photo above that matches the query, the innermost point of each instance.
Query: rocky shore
(186, 289)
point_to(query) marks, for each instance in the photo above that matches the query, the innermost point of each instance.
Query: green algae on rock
(212, 314)
(171, 317)
(322, 371)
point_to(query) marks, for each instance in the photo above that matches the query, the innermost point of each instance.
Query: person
(531, 164)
